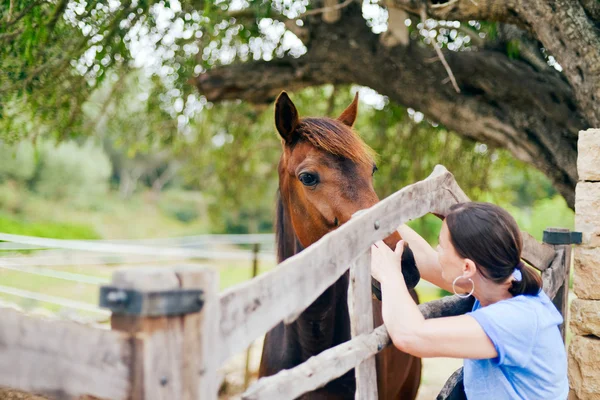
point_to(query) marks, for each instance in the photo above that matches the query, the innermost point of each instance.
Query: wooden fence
(175, 355)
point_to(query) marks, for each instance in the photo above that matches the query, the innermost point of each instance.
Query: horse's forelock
(336, 138)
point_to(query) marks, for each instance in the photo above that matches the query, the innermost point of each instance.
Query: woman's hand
(385, 263)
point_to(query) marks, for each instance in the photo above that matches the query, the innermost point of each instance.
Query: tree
(516, 74)
(509, 96)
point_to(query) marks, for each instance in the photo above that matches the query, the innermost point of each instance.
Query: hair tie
(517, 275)
(517, 271)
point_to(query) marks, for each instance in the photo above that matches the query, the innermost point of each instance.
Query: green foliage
(79, 173)
(514, 182)
(18, 162)
(232, 158)
(545, 213)
(428, 227)
(68, 170)
(409, 150)
(11, 198)
(184, 206)
(54, 53)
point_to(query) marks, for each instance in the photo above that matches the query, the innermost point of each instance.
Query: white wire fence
(55, 259)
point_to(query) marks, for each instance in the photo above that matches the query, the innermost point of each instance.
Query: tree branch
(563, 27)
(264, 80)
(441, 55)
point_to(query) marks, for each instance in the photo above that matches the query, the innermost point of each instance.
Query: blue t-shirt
(531, 362)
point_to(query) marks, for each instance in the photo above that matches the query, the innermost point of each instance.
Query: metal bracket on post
(151, 304)
(559, 237)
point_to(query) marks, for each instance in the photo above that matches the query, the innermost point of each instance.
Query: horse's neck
(325, 323)
(287, 241)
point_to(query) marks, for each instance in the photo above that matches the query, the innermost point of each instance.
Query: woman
(510, 341)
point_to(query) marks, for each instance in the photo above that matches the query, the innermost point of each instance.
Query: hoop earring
(463, 296)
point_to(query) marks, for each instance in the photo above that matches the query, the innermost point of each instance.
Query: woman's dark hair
(490, 236)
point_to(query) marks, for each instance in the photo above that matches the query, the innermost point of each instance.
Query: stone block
(584, 373)
(586, 279)
(587, 212)
(585, 317)
(588, 155)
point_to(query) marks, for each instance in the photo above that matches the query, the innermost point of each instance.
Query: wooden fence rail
(63, 359)
(435, 194)
(177, 356)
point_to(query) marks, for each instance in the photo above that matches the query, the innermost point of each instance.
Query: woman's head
(485, 239)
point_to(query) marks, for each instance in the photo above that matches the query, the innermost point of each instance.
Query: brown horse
(325, 176)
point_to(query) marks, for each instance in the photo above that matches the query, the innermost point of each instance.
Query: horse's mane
(286, 239)
(335, 138)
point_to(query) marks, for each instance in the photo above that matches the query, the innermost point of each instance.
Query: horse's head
(326, 175)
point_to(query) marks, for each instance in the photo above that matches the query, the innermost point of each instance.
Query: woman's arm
(459, 337)
(426, 258)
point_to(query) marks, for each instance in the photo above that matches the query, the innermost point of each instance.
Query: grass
(48, 229)
(107, 217)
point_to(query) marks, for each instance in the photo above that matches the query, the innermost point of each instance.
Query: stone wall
(584, 350)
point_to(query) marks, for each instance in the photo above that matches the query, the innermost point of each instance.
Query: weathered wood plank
(539, 255)
(335, 362)
(448, 306)
(252, 308)
(319, 370)
(360, 307)
(561, 298)
(454, 388)
(558, 280)
(554, 276)
(201, 336)
(63, 359)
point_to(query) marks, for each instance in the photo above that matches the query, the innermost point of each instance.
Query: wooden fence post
(173, 352)
(560, 238)
(360, 307)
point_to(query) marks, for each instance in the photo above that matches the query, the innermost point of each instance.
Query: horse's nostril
(336, 222)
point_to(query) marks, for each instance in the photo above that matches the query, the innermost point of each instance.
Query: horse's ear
(286, 117)
(349, 115)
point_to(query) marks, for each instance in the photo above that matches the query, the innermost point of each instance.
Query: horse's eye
(375, 169)
(308, 179)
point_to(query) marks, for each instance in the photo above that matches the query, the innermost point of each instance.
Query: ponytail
(530, 282)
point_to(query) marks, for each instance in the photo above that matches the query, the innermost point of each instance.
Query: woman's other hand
(385, 263)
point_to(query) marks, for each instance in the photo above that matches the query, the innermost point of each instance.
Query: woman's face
(451, 263)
